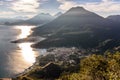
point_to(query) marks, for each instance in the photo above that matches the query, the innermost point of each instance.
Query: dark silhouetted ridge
(114, 18)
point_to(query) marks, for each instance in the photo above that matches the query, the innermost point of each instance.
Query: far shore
(28, 39)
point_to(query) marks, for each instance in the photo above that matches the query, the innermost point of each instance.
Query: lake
(15, 58)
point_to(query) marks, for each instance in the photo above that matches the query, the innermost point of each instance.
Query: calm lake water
(15, 58)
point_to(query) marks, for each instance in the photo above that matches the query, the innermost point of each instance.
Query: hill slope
(114, 18)
(77, 27)
(39, 19)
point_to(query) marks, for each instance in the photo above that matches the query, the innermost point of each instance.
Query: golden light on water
(27, 52)
(24, 31)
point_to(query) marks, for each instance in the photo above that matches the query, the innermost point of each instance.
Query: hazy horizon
(30, 8)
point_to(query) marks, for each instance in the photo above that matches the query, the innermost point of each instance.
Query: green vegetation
(92, 67)
(97, 67)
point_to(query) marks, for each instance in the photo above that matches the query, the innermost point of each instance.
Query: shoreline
(25, 71)
(29, 39)
(57, 53)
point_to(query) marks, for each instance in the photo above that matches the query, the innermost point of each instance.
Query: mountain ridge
(77, 27)
(115, 18)
(38, 19)
(41, 18)
(58, 14)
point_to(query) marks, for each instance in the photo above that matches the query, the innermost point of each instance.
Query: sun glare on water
(27, 52)
(24, 31)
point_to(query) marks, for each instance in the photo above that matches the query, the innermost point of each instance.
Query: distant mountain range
(58, 14)
(80, 28)
(39, 19)
(9, 20)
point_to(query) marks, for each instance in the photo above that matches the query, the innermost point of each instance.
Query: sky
(29, 8)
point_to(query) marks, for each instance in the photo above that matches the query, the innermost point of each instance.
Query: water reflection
(24, 31)
(15, 58)
(27, 52)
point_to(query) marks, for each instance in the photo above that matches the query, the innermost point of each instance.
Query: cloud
(25, 6)
(32, 7)
(65, 4)
(6, 14)
(105, 6)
